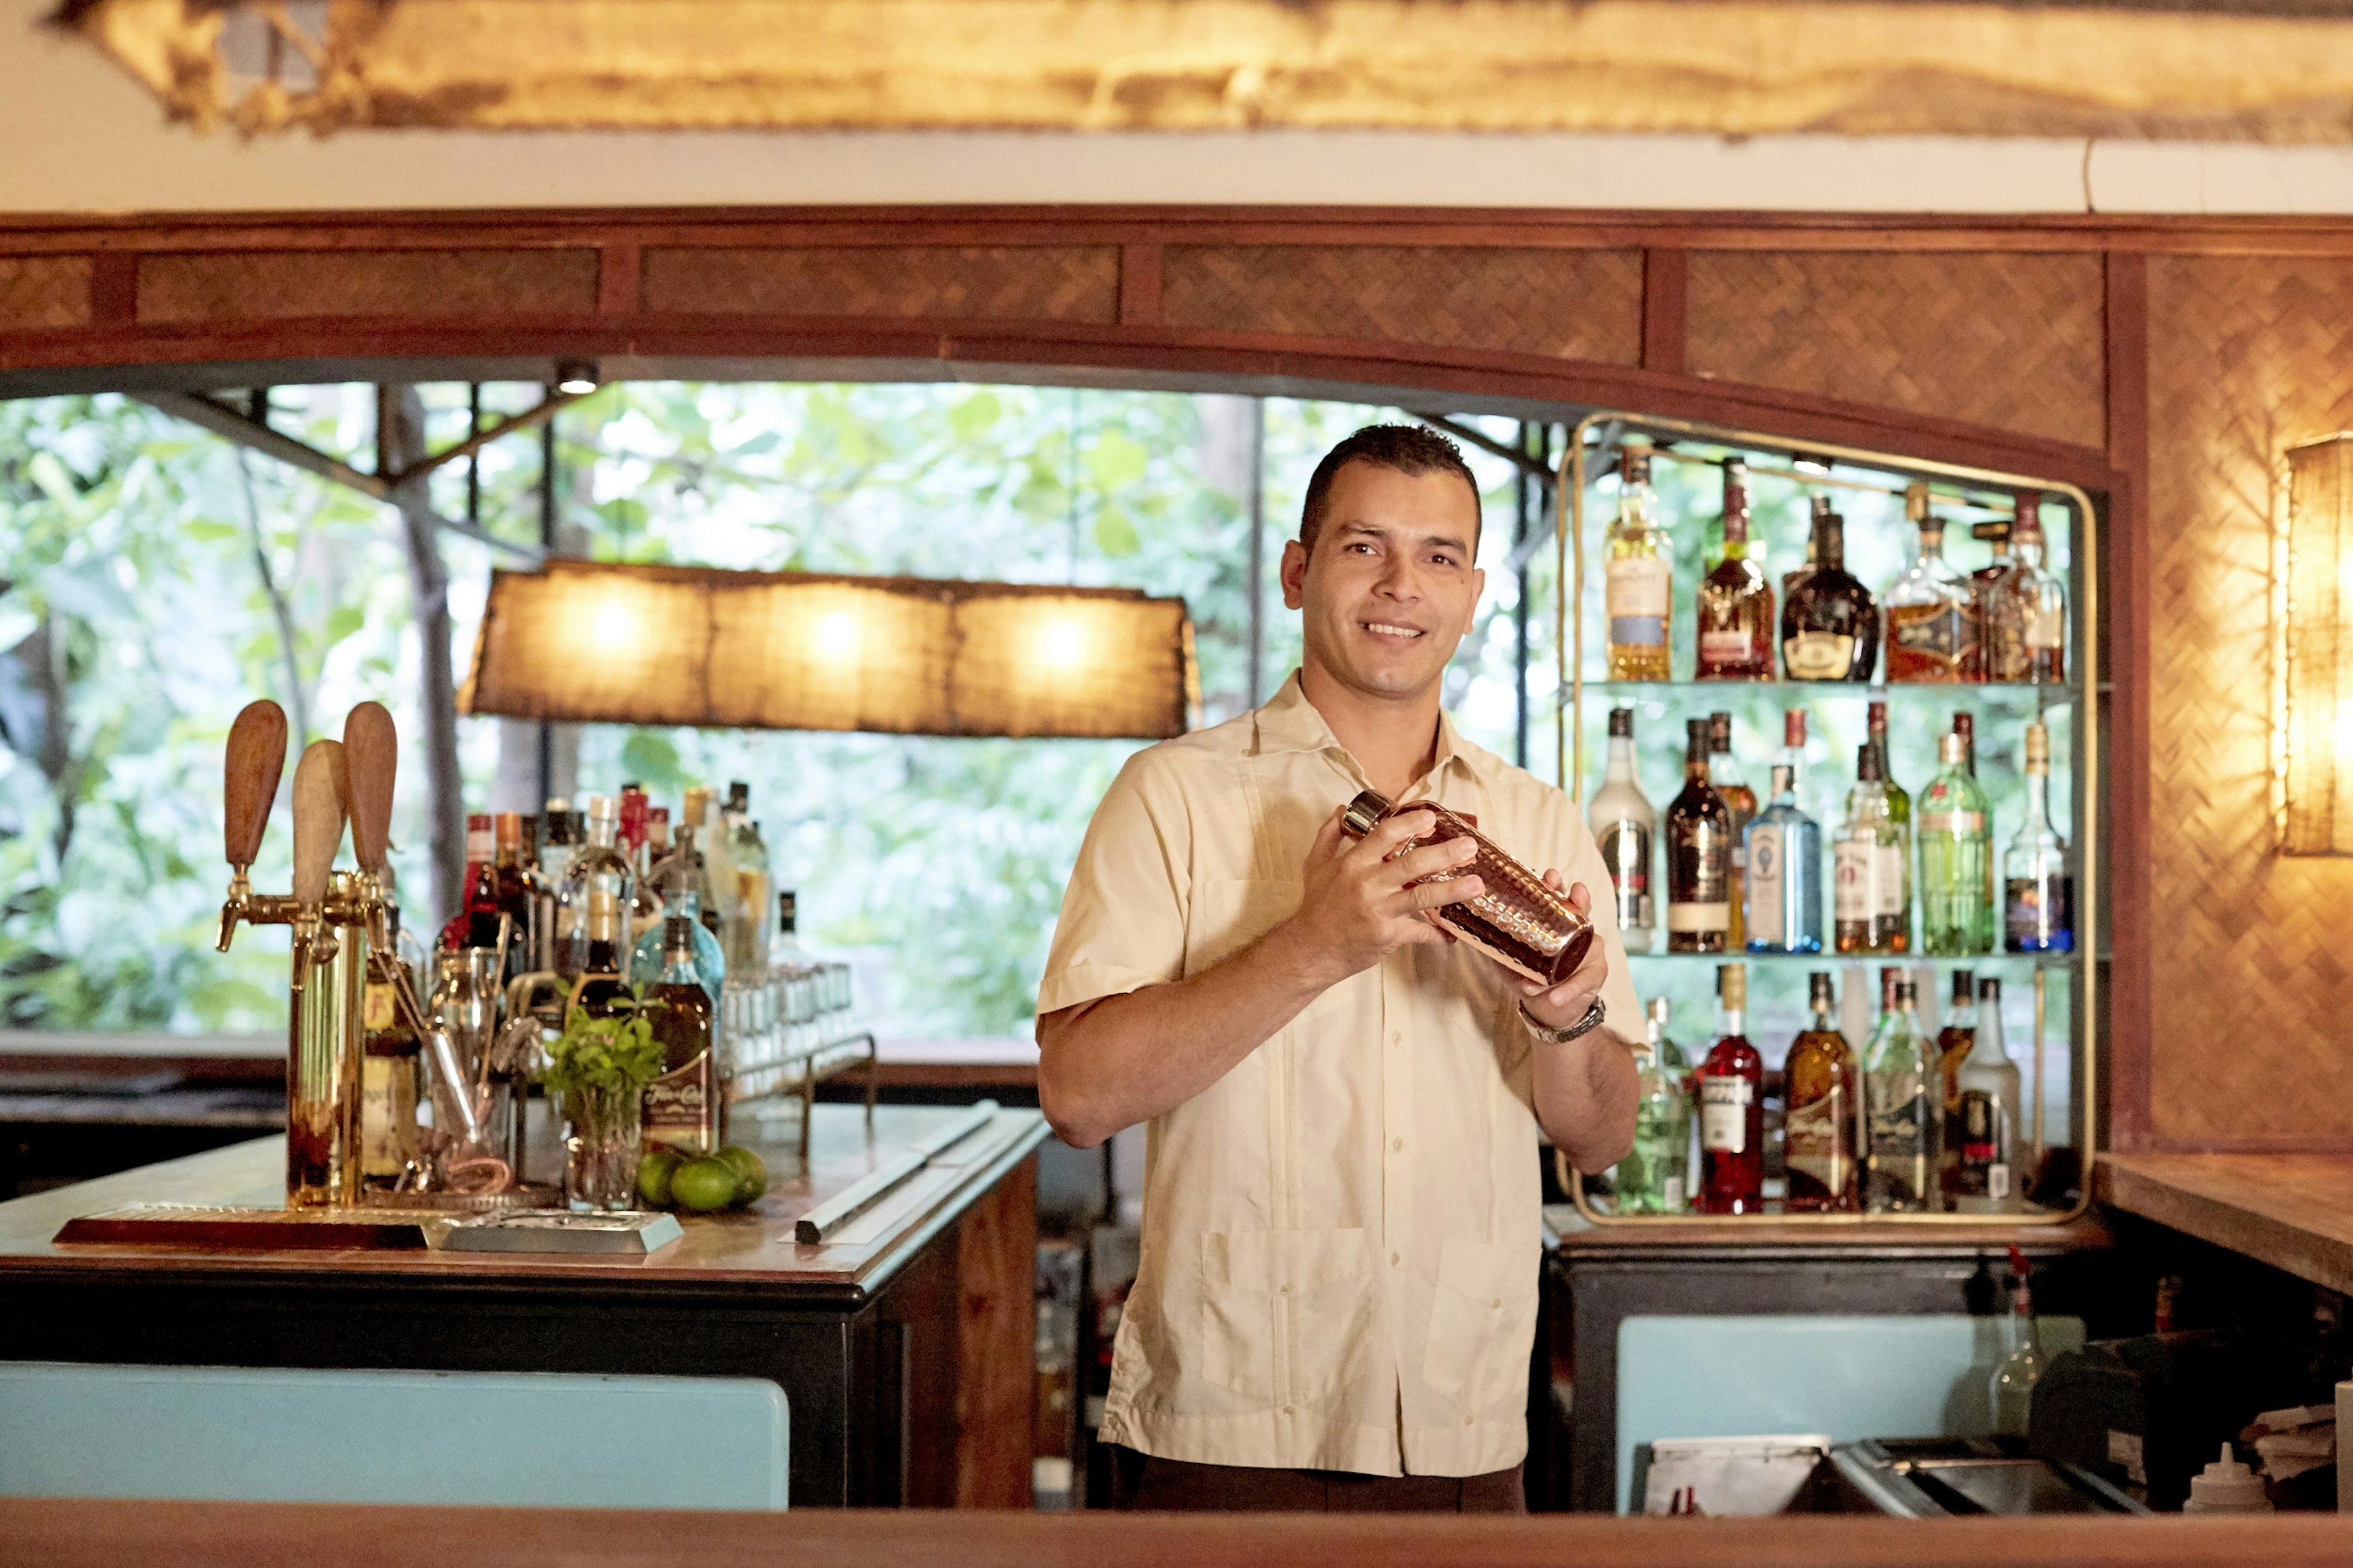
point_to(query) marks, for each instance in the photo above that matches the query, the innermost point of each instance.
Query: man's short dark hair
(1410, 449)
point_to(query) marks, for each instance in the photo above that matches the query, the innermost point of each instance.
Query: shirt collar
(1289, 722)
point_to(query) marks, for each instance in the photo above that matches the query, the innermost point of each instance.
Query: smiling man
(1337, 1294)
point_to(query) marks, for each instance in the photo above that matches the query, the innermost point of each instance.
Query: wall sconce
(594, 642)
(2318, 819)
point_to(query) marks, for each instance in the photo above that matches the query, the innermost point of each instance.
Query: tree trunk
(400, 441)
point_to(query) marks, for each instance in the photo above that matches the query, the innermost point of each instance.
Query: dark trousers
(1148, 1484)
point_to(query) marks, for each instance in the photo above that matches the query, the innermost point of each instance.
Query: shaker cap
(1364, 813)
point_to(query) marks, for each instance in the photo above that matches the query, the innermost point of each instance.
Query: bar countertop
(1570, 1233)
(2291, 1211)
(67, 1534)
(753, 1247)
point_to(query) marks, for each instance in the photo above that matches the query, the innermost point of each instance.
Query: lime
(654, 1172)
(704, 1185)
(751, 1175)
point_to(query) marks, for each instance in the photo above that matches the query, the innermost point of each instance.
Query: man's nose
(1398, 579)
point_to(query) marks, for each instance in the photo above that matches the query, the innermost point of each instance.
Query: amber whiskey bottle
(1823, 1124)
(1638, 574)
(1830, 625)
(1699, 856)
(1731, 1093)
(683, 1105)
(1735, 603)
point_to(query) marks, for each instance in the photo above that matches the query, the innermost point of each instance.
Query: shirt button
(1396, 1258)
(1398, 1144)
(1286, 1290)
(1468, 1420)
(1397, 1038)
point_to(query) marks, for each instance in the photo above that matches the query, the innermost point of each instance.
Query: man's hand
(1559, 1007)
(1357, 910)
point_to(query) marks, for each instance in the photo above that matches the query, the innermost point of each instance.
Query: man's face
(1390, 589)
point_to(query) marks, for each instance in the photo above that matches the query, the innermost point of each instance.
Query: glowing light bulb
(837, 635)
(1062, 644)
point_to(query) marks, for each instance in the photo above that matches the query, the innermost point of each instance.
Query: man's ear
(1478, 594)
(1294, 574)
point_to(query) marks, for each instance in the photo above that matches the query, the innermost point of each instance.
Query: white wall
(77, 135)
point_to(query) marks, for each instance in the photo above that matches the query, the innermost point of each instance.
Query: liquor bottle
(1900, 1109)
(1656, 1178)
(1955, 847)
(1731, 1086)
(1820, 508)
(1624, 824)
(747, 919)
(1964, 725)
(652, 847)
(1516, 919)
(1699, 856)
(599, 874)
(1735, 602)
(1784, 888)
(1871, 895)
(1995, 532)
(683, 1106)
(1638, 580)
(2026, 630)
(1931, 616)
(1825, 1173)
(602, 991)
(1723, 777)
(2038, 891)
(695, 812)
(797, 981)
(2011, 1387)
(518, 876)
(636, 812)
(1983, 1123)
(390, 1072)
(559, 838)
(1953, 1043)
(1830, 627)
(476, 924)
(677, 878)
(1899, 800)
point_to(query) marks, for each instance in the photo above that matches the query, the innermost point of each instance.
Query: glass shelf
(1821, 691)
(1904, 960)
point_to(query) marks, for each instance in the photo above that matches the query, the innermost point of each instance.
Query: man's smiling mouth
(1390, 629)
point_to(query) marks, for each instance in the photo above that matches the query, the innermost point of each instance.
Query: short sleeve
(1123, 913)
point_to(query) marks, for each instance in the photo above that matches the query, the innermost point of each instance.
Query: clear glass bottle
(677, 879)
(683, 1107)
(1986, 1178)
(1955, 847)
(1516, 919)
(1699, 856)
(747, 918)
(2011, 1387)
(1899, 800)
(1784, 885)
(1625, 826)
(1871, 897)
(1735, 602)
(1637, 575)
(562, 833)
(2038, 891)
(1830, 626)
(599, 874)
(1825, 1093)
(1931, 615)
(1723, 777)
(797, 983)
(1902, 1102)
(2026, 629)
(1656, 1178)
(1730, 1086)
(1964, 725)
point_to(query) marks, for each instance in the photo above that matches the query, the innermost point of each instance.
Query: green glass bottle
(1955, 841)
(1656, 1178)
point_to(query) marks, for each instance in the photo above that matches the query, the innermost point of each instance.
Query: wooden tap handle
(254, 762)
(371, 750)
(318, 818)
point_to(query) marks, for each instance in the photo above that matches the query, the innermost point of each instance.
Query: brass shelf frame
(2083, 685)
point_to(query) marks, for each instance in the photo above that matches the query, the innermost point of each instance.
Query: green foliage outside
(132, 582)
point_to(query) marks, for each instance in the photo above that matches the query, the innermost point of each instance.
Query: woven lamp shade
(590, 642)
(2319, 818)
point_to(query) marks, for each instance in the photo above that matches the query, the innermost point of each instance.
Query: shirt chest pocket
(1482, 1323)
(1229, 914)
(1288, 1314)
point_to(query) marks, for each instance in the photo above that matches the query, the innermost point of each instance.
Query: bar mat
(249, 1230)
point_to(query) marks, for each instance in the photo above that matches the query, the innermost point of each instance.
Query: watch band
(1552, 1037)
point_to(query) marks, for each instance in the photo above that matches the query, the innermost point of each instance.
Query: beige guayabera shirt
(1342, 1235)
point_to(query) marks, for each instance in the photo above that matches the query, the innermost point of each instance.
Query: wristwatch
(1552, 1037)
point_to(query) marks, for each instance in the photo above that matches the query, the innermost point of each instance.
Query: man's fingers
(1455, 890)
(1580, 898)
(1431, 858)
(1329, 838)
(1390, 833)
(1552, 880)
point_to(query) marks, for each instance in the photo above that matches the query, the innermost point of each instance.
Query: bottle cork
(2037, 749)
(1732, 984)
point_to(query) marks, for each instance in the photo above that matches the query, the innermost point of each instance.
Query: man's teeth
(1384, 629)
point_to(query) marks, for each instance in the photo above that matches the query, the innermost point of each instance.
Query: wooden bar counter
(905, 1346)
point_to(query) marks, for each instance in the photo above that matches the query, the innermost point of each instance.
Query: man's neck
(1395, 740)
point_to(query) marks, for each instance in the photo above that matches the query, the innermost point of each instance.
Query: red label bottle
(1731, 1095)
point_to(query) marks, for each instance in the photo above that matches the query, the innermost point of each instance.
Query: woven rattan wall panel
(427, 284)
(43, 291)
(2250, 973)
(1576, 304)
(1001, 282)
(2010, 340)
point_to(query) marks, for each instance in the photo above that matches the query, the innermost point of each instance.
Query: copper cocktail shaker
(1516, 919)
